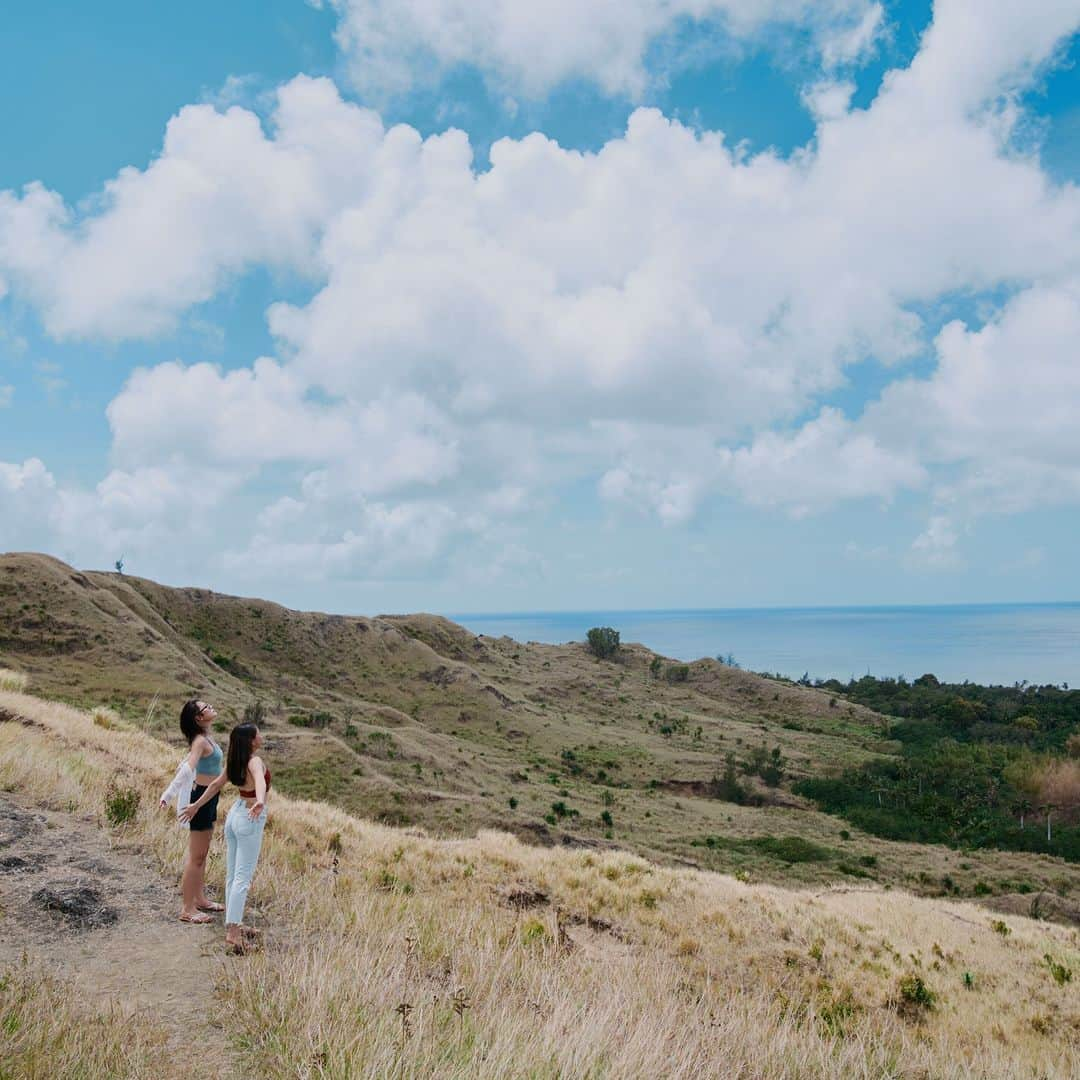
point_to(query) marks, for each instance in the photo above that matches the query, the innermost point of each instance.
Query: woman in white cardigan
(202, 766)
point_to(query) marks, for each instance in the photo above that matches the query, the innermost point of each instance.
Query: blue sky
(772, 306)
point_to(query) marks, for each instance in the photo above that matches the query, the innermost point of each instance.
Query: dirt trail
(98, 913)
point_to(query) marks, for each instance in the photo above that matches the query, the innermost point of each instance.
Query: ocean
(982, 643)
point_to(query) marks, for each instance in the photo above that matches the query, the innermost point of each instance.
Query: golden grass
(48, 1033)
(396, 954)
(16, 681)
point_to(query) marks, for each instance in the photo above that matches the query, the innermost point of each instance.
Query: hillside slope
(394, 954)
(414, 720)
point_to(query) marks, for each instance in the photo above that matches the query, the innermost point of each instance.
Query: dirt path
(99, 914)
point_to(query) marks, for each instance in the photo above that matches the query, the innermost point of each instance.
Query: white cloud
(7, 395)
(530, 48)
(656, 316)
(936, 547)
(222, 196)
(1000, 409)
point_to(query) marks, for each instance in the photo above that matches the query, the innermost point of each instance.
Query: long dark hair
(189, 720)
(240, 750)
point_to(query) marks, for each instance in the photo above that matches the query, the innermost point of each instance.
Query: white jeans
(243, 839)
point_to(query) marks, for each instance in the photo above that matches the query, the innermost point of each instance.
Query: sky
(368, 306)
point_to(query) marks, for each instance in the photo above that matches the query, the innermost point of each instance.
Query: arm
(258, 771)
(181, 782)
(212, 789)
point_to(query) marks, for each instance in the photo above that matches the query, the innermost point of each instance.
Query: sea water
(984, 643)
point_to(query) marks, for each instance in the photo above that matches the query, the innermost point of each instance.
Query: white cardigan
(180, 789)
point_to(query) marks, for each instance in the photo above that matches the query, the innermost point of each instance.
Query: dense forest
(976, 766)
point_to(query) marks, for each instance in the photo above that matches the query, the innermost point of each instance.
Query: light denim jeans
(243, 839)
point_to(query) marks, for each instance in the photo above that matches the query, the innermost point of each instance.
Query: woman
(243, 827)
(197, 774)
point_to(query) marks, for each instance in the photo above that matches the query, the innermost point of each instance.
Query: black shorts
(206, 815)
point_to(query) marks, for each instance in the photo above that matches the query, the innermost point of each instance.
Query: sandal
(210, 905)
(198, 920)
(240, 948)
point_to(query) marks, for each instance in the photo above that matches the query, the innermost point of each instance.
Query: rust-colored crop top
(251, 794)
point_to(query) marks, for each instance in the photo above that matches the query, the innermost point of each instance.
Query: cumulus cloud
(222, 196)
(530, 48)
(662, 317)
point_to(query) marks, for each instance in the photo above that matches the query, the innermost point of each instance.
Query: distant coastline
(986, 643)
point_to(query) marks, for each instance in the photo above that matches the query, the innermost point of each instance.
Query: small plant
(969, 981)
(999, 926)
(460, 1002)
(655, 667)
(254, 714)
(105, 718)
(1061, 973)
(676, 673)
(13, 680)
(121, 805)
(533, 930)
(512, 802)
(915, 994)
(603, 642)
(606, 819)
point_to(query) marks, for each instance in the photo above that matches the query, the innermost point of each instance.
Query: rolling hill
(414, 721)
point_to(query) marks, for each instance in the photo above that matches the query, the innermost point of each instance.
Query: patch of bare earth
(96, 913)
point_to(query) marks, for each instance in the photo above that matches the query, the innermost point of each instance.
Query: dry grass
(48, 1033)
(16, 681)
(395, 954)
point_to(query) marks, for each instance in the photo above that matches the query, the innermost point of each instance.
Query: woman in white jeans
(243, 827)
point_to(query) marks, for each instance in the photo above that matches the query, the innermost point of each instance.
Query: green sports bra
(212, 762)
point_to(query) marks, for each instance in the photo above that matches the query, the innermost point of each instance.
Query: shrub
(999, 926)
(121, 805)
(603, 642)
(512, 802)
(1060, 972)
(677, 673)
(606, 819)
(254, 714)
(657, 665)
(915, 994)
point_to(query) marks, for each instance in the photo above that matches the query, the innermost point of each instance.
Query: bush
(677, 673)
(121, 805)
(254, 714)
(603, 642)
(1060, 972)
(916, 994)
(657, 665)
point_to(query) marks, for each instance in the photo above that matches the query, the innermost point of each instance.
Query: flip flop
(198, 920)
(211, 907)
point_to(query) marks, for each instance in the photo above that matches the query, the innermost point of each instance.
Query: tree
(120, 565)
(1059, 792)
(604, 642)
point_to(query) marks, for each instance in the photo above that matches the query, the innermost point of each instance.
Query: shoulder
(201, 743)
(256, 764)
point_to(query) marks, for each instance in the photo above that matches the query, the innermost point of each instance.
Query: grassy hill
(391, 953)
(412, 720)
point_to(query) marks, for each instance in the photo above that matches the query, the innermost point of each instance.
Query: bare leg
(193, 883)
